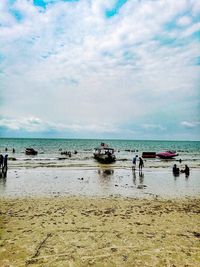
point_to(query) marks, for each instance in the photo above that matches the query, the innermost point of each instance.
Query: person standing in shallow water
(5, 163)
(1, 162)
(186, 170)
(141, 164)
(175, 170)
(134, 162)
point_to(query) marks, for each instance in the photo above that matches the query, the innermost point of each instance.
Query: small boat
(30, 151)
(167, 154)
(104, 154)
(149, 154)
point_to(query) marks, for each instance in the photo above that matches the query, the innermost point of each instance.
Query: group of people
(3, 163)
(177, 171)
(141, 163)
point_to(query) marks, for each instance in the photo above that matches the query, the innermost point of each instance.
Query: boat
(104, 154)
(167, 154)
(149, 154)
(30, 151)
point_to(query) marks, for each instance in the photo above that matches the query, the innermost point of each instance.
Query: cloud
(153, 127)
(190, 124)
(33, 124)
(70, 63)
(184, 21)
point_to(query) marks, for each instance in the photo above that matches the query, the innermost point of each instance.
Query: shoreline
(81, 231)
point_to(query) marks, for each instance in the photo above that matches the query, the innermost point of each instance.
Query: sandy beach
(81, 231)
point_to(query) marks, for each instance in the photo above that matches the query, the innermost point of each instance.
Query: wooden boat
(30, 151)
(167, 154)
(104, 154)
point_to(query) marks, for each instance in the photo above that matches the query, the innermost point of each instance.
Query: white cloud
(195, 7)
(184, 21)
(34, 124)
(153, 127)
(191, 30)
(190, 124)
(72, 65)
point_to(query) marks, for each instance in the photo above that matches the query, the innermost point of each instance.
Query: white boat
(104, 154)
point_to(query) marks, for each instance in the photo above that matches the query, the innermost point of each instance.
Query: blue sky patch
(11, 2)
(17, 14)
(43, 3)
(197, 61)
(39, 3)
(1, 57)
(196, 35)
(112, 12)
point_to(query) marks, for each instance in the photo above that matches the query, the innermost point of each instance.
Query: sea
(50, 173)
(49, 152)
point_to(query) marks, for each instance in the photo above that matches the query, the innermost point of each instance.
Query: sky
(118, 69)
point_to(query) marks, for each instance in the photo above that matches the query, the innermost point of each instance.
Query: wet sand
(82, 231)
(101, 182)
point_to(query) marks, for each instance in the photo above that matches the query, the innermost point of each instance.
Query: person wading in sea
(1, 161)
(5, 164)
(134, 162)
(141, 163)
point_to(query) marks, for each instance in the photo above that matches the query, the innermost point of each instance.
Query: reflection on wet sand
(105, 176)
(140, 177)
(3, 172)
(105, 172)
(3, 176)
(104, 181)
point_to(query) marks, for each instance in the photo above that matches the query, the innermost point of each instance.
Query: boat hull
(166, 155)
(105, 159)
(30, 151)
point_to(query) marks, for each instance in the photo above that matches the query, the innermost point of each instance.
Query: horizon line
(111, 139)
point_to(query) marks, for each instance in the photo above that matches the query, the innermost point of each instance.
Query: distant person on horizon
(134, 162)
(141, 163)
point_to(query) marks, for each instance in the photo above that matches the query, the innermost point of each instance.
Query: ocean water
(49, 152)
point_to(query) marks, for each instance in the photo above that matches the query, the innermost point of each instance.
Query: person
(134, 162)
(175, 170)
(186, 170)
(141, 163)
(5, 163)
(1, 161)
(13, 150)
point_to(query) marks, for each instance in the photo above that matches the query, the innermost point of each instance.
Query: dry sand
(84, 232)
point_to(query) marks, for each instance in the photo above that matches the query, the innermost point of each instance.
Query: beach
(76, 212)
(99, 133)
(80, 231)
